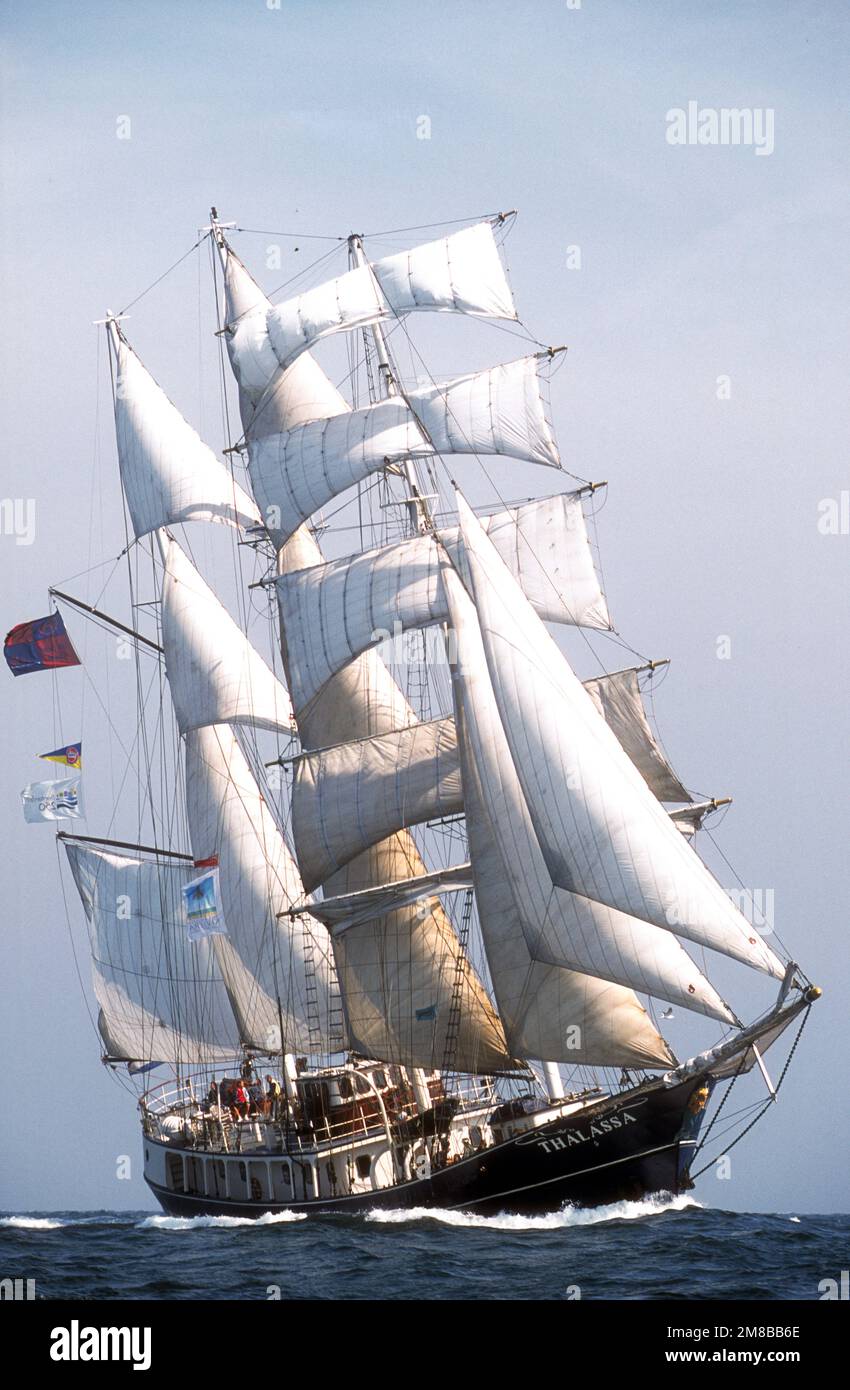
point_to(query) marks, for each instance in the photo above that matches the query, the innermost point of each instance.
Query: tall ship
(393, 905)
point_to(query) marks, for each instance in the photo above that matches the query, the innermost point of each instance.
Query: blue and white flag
(202, 904)
(59, 800)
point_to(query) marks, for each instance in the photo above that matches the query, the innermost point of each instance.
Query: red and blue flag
(41, 645)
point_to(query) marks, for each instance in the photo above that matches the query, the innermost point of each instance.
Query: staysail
(559, 927)
(215, 675)
(548, 1011)
(618, 698)
(603, 834)
(168, 474)
(266, 958)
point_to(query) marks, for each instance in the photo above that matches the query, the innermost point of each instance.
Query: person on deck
(272, 1098)
(241, 1102)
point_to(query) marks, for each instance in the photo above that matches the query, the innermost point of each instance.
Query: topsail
(501, 411)
(461, 273)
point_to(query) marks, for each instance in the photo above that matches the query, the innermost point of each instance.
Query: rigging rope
(165, 274)
(768, 1103)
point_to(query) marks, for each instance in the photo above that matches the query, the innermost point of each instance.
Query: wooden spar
(113, 622)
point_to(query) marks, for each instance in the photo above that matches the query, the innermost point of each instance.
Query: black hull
(628, 1148)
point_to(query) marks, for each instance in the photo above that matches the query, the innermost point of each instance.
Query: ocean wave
(567, 1217)
(224, 1223)
(32, 1223)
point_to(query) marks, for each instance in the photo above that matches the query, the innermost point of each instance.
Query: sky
(701, 289)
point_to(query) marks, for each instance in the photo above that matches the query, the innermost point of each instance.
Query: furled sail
(603, 834)
(350, 796)
(559, 927)
(266, 960)
(689, 819)
(618, 699)
(216, 676)
(161, 996)
(349, 909)
(168, 474)
(335, 611)
(500, 411)
(460, 273)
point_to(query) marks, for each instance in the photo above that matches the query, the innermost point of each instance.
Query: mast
(422, 523)
(417, 504)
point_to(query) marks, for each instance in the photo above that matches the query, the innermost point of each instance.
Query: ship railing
(474, 1091)
(174, 1112)
(178, 1112)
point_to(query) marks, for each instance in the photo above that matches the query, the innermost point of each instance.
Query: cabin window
(379, 1080)
(346, 1090)
(364, 1165)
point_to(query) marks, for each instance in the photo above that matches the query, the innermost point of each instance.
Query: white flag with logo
(58, 800)
(202, 903)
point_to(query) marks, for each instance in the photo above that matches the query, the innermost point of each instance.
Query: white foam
(32, 1223)
(199, 1223)
(567, 1217)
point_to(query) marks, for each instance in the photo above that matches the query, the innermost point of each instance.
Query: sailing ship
(415, 893)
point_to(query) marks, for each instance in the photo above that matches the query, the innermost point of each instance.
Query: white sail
(547, 1010)
(333, 612)
(560, 928)
(350, 796)
(215, 675)
(603, 834)
(349, 301)
(460, 273)
(300, 393)
(499, 411)
(266, 959)
(618, 699)
(168, 474)
(401, 973)
(397, 974)
(347, 797)
(161, 996)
